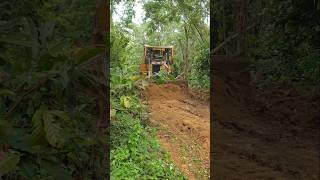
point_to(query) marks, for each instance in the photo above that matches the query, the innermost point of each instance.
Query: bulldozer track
(183, 127)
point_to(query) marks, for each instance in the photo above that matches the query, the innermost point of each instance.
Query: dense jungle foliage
(281, 38)
(135, 152)
(185, 25)
(286, 47)
(47, 112)
(182, 24)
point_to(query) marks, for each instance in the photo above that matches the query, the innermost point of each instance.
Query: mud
(272, 134)
(183, 127)
(256, 135)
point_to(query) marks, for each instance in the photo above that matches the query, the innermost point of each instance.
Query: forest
(135, 150)
(265, 89)
(49, 124)
(260, 60)
(281, 39)
(51, 114)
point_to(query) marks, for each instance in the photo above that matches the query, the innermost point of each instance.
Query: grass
(189, 152)
(135, 152)
(191, 156)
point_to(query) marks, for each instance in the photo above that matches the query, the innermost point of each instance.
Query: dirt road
(274, 135)
(183, 127)
(256, 140)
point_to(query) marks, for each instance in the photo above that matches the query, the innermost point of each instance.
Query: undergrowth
(48, 114)
(135, 152)
(162, 77)
(285, 52)
(199, 77)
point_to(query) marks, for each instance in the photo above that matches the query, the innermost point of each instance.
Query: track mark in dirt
(250, 141)
(183, 127)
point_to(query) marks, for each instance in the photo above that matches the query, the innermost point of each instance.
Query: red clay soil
(183, 128)
(274, 135)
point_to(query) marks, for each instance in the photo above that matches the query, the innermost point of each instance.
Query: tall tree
(242, 16)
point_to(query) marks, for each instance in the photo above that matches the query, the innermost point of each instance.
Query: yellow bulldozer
(155, 59)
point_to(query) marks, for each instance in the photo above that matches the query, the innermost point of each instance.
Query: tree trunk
(214, 26)
(242, 16)
(100, 35)
(186, 69)
(224, 26)
(183, 57)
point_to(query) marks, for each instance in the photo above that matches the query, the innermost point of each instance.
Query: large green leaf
(17, 139)
(8, 162)
(61, 114)
(56, 170)
(84, 54)
(125, 101)
(5, 128)
(15, 39)
(28, 168)
(37, 135)
(53, 130)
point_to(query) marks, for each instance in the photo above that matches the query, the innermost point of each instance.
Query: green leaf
(135, 78)
(52, 130)
(15, 39)
(61, 114)
(84, 54)
(28, 168)
(125, 101)
(55, 170)
(8, 162)
(5, 128)
(37, 135)
(6, 92)
(18, 139)
(113, 113)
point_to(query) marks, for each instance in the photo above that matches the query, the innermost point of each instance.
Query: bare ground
(269, 135)
(272, 134)
(183, 127)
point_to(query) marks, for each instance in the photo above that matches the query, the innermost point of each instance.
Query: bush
(200, 70)
(162, 77)
(135, 152)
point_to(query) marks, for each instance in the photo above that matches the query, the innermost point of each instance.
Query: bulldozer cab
(155, 59)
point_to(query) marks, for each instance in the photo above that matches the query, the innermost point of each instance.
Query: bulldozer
(155, 59)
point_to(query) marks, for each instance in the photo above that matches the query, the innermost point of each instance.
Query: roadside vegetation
(279, 39)
(48, 114)
(135, 152)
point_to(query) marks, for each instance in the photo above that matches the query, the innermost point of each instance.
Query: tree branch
(227, 40)
(32, 89)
